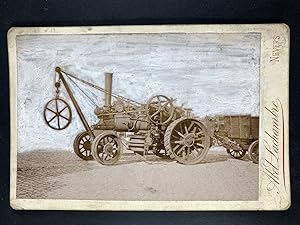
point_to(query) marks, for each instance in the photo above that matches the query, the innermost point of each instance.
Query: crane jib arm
(77, 107)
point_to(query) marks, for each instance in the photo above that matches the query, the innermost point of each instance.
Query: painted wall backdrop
(211, 73)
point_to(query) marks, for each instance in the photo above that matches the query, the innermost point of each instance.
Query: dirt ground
(62, 175)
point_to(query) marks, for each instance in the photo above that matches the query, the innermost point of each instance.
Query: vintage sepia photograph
(140, 116)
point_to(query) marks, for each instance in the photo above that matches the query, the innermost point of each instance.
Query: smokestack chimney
(108, 88)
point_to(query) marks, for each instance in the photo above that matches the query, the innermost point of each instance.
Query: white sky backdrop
(211, 73)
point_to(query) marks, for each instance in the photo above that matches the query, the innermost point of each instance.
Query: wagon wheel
(160, 109)
(57, 114)
(187, 140)
(106, 148)
(253, 152)
(236, 153)
(82, 146)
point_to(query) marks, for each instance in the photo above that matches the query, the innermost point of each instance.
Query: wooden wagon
(239, 134)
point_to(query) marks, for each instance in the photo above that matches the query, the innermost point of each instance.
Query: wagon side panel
(245, 127)
(233, 126)
(255, 127)
(238, 127)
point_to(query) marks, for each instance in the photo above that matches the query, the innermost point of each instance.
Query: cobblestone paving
(35, 169)
(62, 175)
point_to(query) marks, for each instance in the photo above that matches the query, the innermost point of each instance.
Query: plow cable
(100, 89)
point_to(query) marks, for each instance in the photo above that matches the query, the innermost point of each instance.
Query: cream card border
(274, 176)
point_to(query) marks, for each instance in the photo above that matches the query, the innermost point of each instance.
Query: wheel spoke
(199, 133)
(176, 147)
(193, 154)
(58, 122)
(179, 133)
(176, 137)
(181, 129)
(154, 114)
(200, 145)
(64, 117)
(194, 130)
(56, 105)
(184, 156)
(188, 150)
(186, 129)
(180, 150)
(102, 155)
(165, 105)
(198, 149)
(51, 110)
(158, 98)
(112, 141)
(63, 109)
(199, 139)
(51, 119)
(190, 127)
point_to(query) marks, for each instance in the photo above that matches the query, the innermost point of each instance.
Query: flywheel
(160, 109)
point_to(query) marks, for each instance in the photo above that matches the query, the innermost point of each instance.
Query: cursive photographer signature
(273, 143)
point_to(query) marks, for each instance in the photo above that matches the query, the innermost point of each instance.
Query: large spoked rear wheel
(187, 140)
(253, 152)
(82, 146)
(106, 148)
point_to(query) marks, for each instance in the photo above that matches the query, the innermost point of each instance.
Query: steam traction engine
(158, 126)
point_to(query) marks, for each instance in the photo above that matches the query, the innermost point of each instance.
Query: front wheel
(106, 148)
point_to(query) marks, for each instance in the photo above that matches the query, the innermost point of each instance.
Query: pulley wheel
(57, 114)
